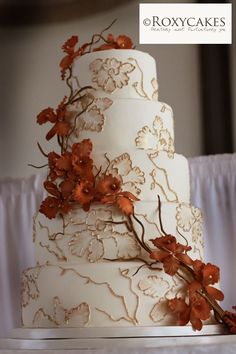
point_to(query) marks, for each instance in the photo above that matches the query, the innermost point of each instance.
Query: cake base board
(111, 343)
(114, 332)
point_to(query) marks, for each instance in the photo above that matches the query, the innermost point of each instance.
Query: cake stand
(96, 338)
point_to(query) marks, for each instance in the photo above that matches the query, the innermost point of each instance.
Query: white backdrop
(213, 185)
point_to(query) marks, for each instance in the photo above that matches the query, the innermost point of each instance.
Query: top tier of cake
(110, 70)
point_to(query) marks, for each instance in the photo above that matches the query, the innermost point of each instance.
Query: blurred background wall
(31, 35)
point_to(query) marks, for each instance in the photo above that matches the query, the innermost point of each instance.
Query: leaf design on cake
(96, 250)
(29, 287)
(76, 216)
(146, 139)
(160, 181)
(131, 176)
(126, 245)
(77, 316)
(155, 89)
(96, 219)
(93, 117)
(92, 120)
(197, 213)
(52, 247)
(187, 215)
(110, 73)
(155, 138)
(154, 286)
(79, 243)
(135, 176)
(159, 311)
(196, 231)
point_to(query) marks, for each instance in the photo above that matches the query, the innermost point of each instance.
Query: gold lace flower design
(187, 215)
(102, 238)
(132, 176)
(155, 138)
(29, 288)
(78, 315)
(154, 286)
(90, 239)
(93, 118)
(127, 247)
(110, 74)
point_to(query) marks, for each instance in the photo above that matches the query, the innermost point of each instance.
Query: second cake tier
(102, 233)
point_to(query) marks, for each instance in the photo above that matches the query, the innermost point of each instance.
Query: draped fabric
(213, 187)
(19, 199)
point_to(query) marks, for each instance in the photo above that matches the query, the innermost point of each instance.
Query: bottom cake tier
(98, 295)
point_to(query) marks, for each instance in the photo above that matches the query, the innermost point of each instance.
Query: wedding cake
(93, 258)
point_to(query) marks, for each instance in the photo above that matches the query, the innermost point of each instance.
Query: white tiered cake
(89, 270)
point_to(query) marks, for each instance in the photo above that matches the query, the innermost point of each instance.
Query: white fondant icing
(91, 237)
(90, 268)
(121, 73)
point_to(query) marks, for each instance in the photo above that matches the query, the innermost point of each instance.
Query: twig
(41, 150)
(143, 245)
(159, 212)
(29, 164)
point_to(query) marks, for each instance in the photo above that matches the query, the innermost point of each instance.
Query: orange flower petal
(194, 286)
(52, 189)
(108, 199)
(68, 46)
(52, 132)
(215, 293)
(62, 128)
(125, 205)
(46, 115)
(64, 162)
(108, 185)
(124, 42)
(84, 192)
(177, 305)
(49, 207)
(66, 188)
(211, 274)
(200, 308)
(196, 323)
(171, 265)
(159, 255)
(129, 195)
(184, 258)
(164, 241)
(105, 46)
(83, 148)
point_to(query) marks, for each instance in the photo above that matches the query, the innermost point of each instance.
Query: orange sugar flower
(172, 254)
(61, 127)
(210, 274)
(124, 42)
(84, 148)
(81, 161)
(46, 115)
(179, 307)
(121, 42)
(54, 172)
(71, 53)
(108, 185)
(84, 194)
(69, 46)
(51, 206)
